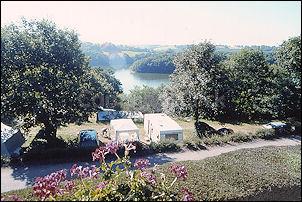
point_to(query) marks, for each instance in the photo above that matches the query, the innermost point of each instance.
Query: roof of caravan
(164, 122)
(123, 125)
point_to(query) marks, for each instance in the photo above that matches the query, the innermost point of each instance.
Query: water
(129, 79)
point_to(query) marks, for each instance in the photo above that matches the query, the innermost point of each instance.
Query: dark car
(88, 138)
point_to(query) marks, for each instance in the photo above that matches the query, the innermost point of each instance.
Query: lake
(129, 79)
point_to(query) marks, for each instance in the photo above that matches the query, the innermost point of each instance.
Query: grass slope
(239, 175)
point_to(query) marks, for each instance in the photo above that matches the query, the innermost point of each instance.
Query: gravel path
(13, 178)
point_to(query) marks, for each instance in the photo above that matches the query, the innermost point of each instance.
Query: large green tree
(195, 86)
(251, 84)
(45, 78)
(288, 78)
(144, 99)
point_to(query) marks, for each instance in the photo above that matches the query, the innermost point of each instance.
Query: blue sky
(136, 23)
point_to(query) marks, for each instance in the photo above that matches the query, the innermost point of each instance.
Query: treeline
(158, 63)
(240, 86)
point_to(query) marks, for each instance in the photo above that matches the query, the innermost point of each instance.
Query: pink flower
(49, 185)
(112, 147)
(102, 185)
(99, 154)
(149, 177)
(141, 163)
(81, 172)
(188, 196)
(69, 185)
(180, 171)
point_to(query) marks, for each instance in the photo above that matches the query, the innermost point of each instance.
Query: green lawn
(237, 175)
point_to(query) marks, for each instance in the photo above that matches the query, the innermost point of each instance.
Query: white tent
(159, 127)
(11, 140)
(124, 129)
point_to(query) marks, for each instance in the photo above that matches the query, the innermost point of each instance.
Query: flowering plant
(115, 180)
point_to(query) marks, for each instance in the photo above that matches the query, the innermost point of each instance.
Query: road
(13, 178)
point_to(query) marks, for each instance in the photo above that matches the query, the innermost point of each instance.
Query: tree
(162, 63)
(288, 78)
(251, 85)
(194, 85)
(144, 99)
(45, 78)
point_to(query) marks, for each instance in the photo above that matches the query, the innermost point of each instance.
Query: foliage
(144, 99)
(288, 78)
(116, 180)
(165, 146)
(251, 86)
(45, 78)
(158, 63)
(195, 83)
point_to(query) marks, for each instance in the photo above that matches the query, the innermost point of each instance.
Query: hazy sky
(136, 23)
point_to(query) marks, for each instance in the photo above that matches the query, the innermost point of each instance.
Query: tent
(124, 130)
(159, 127)
(11, 140)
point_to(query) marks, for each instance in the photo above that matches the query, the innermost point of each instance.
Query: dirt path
(23, 176)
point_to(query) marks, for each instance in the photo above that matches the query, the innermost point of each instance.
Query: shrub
(266, 133)
(190, 145)
(117, 180)
(165, 146)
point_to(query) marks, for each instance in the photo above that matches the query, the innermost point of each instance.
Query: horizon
(167, 23)
(232, 46)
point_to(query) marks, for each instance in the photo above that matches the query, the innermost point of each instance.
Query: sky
(166, 22)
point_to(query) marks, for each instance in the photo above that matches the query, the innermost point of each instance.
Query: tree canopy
(144, 99)
(158, 63)
(194, 82)
(45, 77)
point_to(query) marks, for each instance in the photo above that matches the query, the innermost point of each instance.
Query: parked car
(281, 128)
(225, 131)
(88, 138)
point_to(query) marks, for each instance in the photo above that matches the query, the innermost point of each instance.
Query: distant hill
(144, 57)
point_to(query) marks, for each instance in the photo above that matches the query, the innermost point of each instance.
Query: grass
(235, 175)
(242, 173)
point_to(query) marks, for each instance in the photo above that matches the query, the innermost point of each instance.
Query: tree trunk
(196, 111)
(50, 132)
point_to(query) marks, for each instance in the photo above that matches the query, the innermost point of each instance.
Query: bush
(266, 133)
(117, 180)
(165, 146)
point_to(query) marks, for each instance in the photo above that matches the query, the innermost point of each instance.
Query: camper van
(160, 127)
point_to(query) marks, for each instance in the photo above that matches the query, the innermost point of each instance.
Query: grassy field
(243, 173)
(268, 173)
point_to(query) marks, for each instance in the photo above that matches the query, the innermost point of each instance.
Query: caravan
(160, 127)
